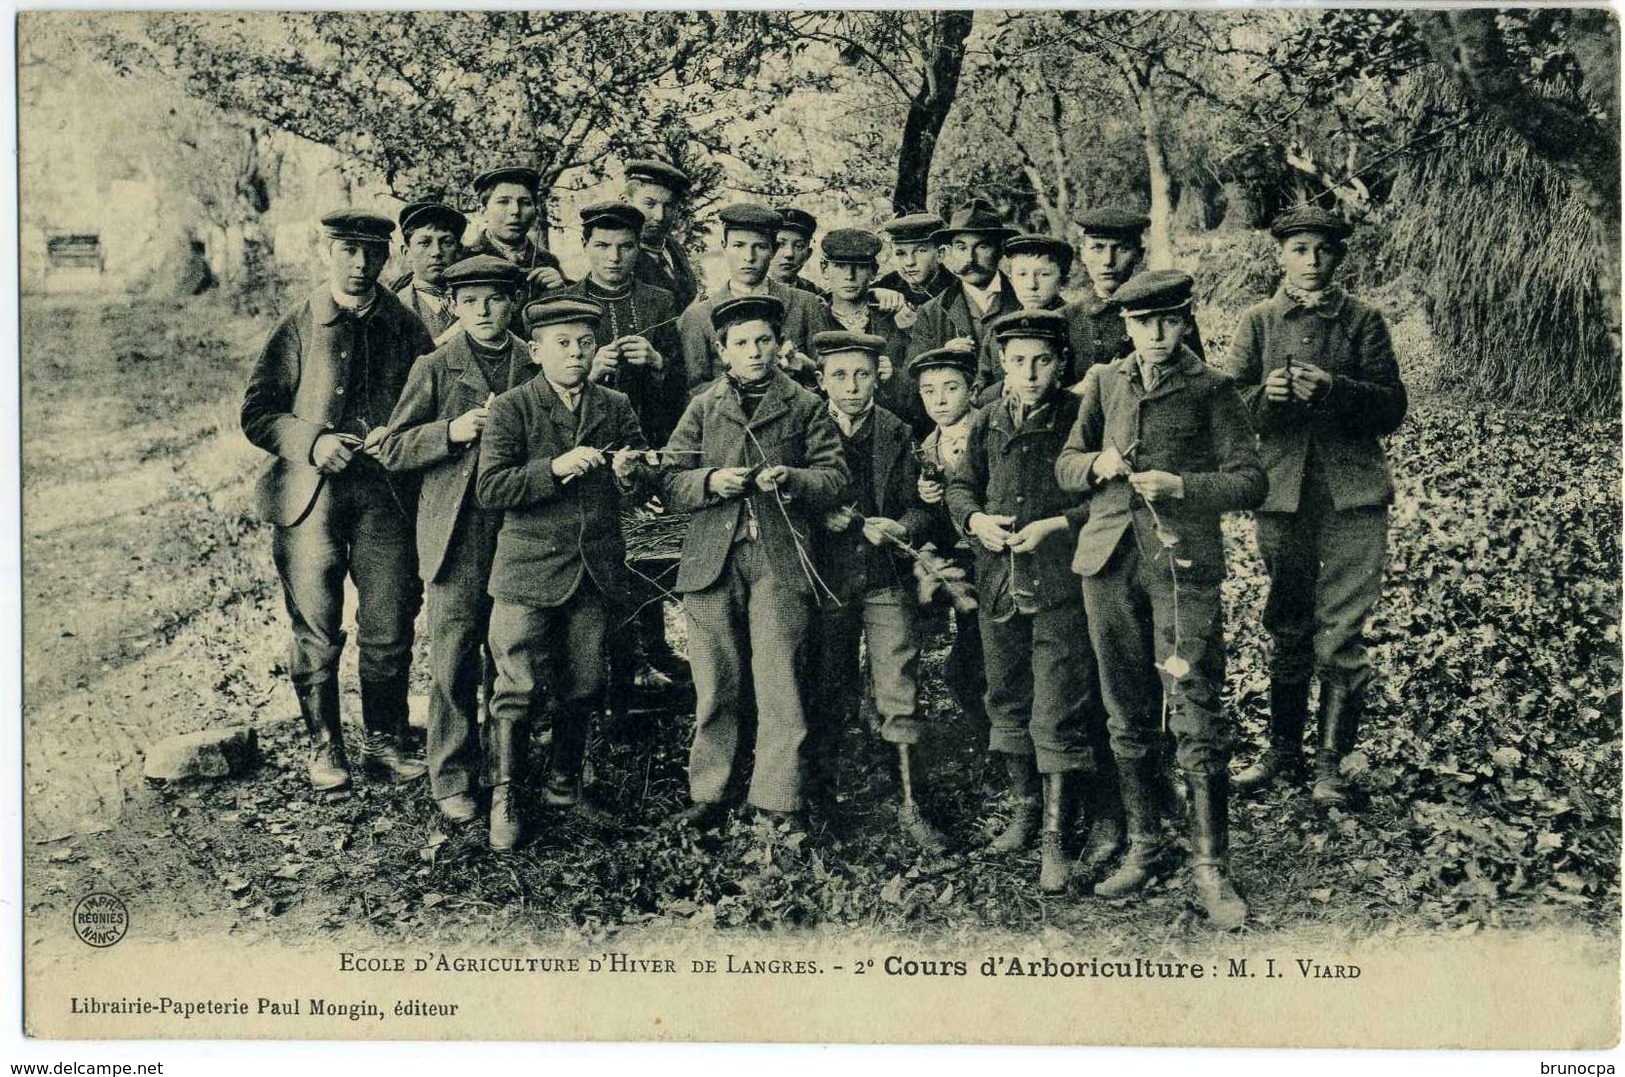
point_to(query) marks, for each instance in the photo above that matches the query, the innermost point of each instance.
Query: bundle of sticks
(652, 535)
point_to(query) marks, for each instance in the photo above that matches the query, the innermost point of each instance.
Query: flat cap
(611, 215)
(751, 217)
(977, 217)
(659, 172)
(792, 219)
(358, 224)
(1114, 222)
(1029, 325)
(850, 245)
(416, 215)
(484, 269)
(1310, 219)
(528, 178)
(561, 310)
(747, 308)
(1032, 243)
(960, 359)
(1154, 292)
(840, 340)
(913, 228)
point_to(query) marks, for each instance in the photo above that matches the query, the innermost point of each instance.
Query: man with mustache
(972, 243)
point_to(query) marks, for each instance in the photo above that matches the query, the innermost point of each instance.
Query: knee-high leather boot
(1289, 713)
(384, 713)
(1341, 708)
(507, 756)
(1142, 783)
(1054, 869)
(1018, 833)
(1210, 848)
(319, 706)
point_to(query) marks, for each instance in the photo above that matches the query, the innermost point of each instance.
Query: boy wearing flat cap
(749, 237)
(1317, 370)
(1111, 251)
(1037, 266)
(1162, 447)
(797, 228)
(431, 240)
(972, 243)
(1041, 685)
(557, 454)
(657, 190)
(917, 274)
(510, 202)
(857, 552)
(327, 379)
(944, 378)
(757, 459)
(435, 432)
(640, 354)
(851, 258)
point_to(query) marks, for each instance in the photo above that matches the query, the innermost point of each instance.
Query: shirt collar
(984, 297)
(358, 305)
(851, 425)
(569, 397)
(1327, 303)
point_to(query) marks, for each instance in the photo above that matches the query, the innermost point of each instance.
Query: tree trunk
(1159, 239)
(929, 109)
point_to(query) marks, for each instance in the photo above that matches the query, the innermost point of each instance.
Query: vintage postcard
(985, 526)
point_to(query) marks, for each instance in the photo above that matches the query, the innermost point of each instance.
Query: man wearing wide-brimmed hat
(325, 385)
(972, 243)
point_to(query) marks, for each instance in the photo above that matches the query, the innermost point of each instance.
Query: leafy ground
(1491, 756)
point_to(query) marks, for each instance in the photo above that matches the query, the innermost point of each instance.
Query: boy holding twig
(1041, 684)
(435, 432)
(859, 551)
(1162, 447)
(757, 460)
(556, 456)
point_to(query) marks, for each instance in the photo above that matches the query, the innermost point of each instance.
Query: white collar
(850, 423)
(570, 397)
(984, 297)
(736, 290)
(355, 304)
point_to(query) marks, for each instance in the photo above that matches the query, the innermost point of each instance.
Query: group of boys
(501, 415)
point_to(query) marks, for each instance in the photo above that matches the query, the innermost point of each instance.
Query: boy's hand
(877, 530)
(639, 352)
(885, 368)
(770, 478)
(546, 276)
(963, 344)
(838, 520)
(1027, 539)
(578, 461)
(1109, 464)
(1278, 385)
(993, 532)
(791, 358)
(375, 437)
(727, 481)
(886, 300)
(930, 492)
(905, 317)
(331, 454)
(627, 463)
(1309, 381)
(1157, 485)
(468, 426)
(605, 361)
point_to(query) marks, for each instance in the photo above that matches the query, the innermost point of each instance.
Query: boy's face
(848, 379)
(483, 311)
(655, 203)
(945, 393)
(849, 281)
(429, 252)
(750, 349)
(1109, 262)
(510, 210)
(1029, 367)
(353, 265)
(612, 255)
(748, 255)
(564, 351)
(1309, 259)
(793, 251)
(916, 262)
(972, 258)
(1036, 277)
(1156, 336)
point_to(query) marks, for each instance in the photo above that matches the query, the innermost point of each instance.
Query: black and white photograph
(919, 526)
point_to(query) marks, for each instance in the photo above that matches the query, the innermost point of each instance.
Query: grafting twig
(807, 568)
(960, 593)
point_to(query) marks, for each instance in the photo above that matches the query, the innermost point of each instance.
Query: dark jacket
(1010, 472)
(844, 557)
(1192, 425)
(442, 386)
(1096, 334)
(554, 533)
(900, 393)
(1341, 429)
(791, 426)
(658, 396)
(297, 388)
(949, 316)
(671, 269)
(804, 315)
